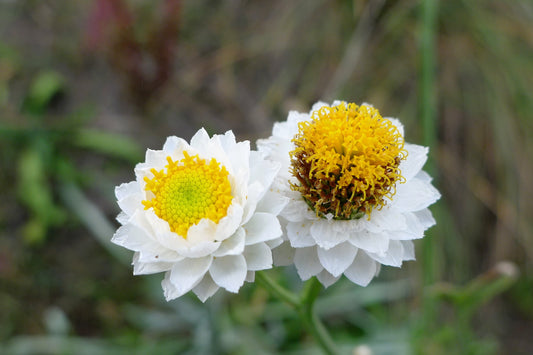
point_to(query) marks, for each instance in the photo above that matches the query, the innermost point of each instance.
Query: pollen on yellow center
(187, 191)
(346, 160)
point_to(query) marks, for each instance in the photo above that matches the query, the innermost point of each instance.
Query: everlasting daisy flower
(357, 193)
(201, 212)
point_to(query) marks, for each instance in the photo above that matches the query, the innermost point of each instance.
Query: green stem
(277, 290)
(313, 323)
(304, 306)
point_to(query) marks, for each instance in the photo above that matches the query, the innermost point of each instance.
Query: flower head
(357, 193)
(201, 212)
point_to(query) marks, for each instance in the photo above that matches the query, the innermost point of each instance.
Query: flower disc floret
(187, 191)
(346, 160)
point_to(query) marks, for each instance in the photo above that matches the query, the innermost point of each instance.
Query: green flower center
(187, 191)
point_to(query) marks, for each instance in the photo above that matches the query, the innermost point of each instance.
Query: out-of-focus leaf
(35, 193)
(93, 219)
(44, 88)
(109, 143)
(54, 345)
(8, 67)
(488, 285)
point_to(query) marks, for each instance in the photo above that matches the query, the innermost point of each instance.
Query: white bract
(359, 212)
(203, 213)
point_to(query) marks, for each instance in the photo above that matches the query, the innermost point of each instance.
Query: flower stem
(313, 323)
(277, 290)
(304, 306)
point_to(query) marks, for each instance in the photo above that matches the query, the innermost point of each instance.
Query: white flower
(357, 193)
(201, 212)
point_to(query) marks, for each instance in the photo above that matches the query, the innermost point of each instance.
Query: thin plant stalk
(304, 305)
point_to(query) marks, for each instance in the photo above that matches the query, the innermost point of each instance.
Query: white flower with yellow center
(201, 212)
(357, 193)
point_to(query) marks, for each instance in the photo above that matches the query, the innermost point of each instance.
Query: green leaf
(109, 144)
(35, 193)
(45, 87)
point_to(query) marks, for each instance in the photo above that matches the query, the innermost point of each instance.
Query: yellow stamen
(346, 160)
(187, 191)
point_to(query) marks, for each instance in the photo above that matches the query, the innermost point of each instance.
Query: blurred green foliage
(73, 124)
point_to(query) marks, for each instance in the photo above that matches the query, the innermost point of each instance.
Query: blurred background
(87, 86)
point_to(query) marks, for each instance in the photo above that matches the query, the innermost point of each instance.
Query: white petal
(289, 128)
(416, 158)
(272, 202)
(283, 255)
(326, 278)
(174, 147)
(251, 198)
(152, 268)
(325, 235)
(157, 228)
(362, 270)
(413, 230)
(281, 130)
(199, 250)
(424, 176)
(297, 210)
(229, 272)
(385, 220)
(237, 153)
(408, 250)
(169, 290)
(141, 220)
(131, 237)
(338, 258)
(233, 245)
(262, 170)
(306, 262)
(425, 218)
(250, 276)
(156, 159)
(140, 268)
(158, 255)
(123, 218)
(299, 234)
(149, 251)
(129, 197)
(274, 243)
(262, 227)
(206, 288)
(370, 242)
(393, 256)
(414, 195)
(227, 225)
(126, 189)
(203, 231)
(187, 273)
(258, 257)
(131, 203)
(378, 269)
(197, 244)
(200, 139)
(319, 104)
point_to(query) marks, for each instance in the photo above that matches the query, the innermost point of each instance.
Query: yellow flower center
(187, 191)
(346, 160)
